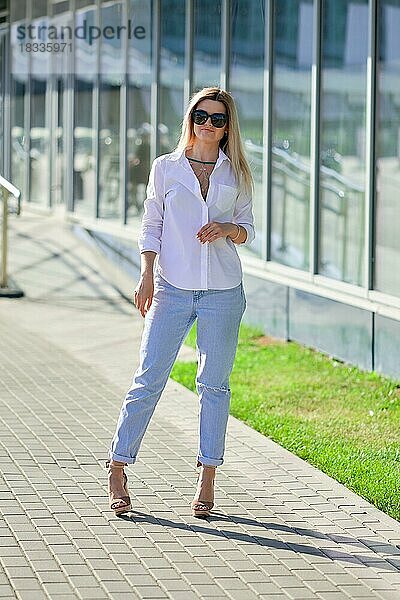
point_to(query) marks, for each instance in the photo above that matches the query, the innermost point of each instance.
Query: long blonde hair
(231, 143)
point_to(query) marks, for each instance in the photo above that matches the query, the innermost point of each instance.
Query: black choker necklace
(203, 162)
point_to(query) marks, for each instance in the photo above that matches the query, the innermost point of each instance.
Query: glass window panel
(171, 72)
(61, 7)
(19, 147)
(342, 173)
(246, 85)
(58, 163)
(139, 130)
(39, 8)
(18, 10)
(206, 43)
(387, 275)
(111, 69)
(19, 141)
(84, 172)
(39, 144)
(84, 4)
(39, 150)
(291, 126)
(60, 68)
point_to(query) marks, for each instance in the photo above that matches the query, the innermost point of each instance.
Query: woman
(198, 207)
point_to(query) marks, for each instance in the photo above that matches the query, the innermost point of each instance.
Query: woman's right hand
(143, 294)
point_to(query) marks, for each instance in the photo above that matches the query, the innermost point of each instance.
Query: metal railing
(342, 201)
(8, 189)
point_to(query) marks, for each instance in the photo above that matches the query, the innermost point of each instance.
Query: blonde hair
(231, 143)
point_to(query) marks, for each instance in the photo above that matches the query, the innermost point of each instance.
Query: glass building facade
(317, 85)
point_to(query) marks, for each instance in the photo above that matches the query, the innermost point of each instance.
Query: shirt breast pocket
(226, 197)
(172, 196)
(171, 192)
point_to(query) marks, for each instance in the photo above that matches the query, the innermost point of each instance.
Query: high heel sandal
(123, 504)
(202, 508)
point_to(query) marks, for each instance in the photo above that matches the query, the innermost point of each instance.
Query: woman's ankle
(209, 468)
(117, 463)
(207, 473)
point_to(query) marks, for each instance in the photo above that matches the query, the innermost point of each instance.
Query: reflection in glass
(206, 43)
(83, 3)
(39, 153)
(84, 173)
(19, 78)
(246, 85)
(172, 58)
(60, 67)
(291, 124)
(17, 11)
(58, 181)
(387, 275)
(342, 174)
(109, 180)
(111, 68)
(19, 146)
(2, 51)
(39, 8)
(139, 103)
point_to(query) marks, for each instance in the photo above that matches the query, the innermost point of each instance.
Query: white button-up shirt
(175, 210)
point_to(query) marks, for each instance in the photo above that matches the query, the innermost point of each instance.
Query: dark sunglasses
(217, 119)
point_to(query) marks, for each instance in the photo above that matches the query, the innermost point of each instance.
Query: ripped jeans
(167, 323)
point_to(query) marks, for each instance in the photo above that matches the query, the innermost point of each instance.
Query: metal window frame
(67, 118)
(69, 122)
(6, 79)
(155, 82)
(28, 122)
(49, 124)
(123, 120)
(123, 108)
(316, 101)
(96, 116)
(71, 118)
(370, 147)
(315, 139)
(53, 117)
(189, 48)
(53, 109)
(267, 128)
(371, 119)
(226, 20)
(27, 115)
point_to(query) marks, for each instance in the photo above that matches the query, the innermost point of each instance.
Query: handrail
(7, 189)
(295, 162)
(10, 187)
(343, 190)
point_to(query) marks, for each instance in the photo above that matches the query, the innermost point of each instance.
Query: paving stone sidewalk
(281, 528)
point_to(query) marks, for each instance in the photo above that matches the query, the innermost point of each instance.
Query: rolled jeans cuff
(209, 462)
(125, 459)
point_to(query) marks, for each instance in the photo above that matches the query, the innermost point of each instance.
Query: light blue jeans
(167, 323)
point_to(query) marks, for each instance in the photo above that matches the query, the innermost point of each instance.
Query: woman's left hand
(213, 231)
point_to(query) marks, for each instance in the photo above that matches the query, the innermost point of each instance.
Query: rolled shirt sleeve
(243, 215)
(152, 220)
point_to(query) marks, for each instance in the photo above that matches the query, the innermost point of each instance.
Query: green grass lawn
(344, 421)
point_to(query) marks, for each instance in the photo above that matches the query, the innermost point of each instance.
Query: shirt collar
(179, 155)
